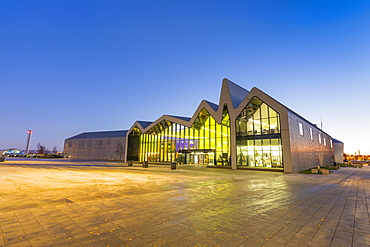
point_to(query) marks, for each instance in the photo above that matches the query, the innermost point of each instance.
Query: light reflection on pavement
(90, 203)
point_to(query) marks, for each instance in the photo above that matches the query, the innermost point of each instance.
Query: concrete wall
(307, 152)
(96, 149)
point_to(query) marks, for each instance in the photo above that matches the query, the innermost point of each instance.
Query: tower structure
(29, 134)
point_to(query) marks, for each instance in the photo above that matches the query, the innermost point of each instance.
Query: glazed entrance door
(197, 158)
(204, 159)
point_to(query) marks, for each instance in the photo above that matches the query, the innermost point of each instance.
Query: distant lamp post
(29, 132)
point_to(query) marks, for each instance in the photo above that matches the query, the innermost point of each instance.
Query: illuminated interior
(258, 138)
(206, 142)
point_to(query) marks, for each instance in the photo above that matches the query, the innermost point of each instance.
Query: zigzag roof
(231, 94)
(144, 124)
(213, 105)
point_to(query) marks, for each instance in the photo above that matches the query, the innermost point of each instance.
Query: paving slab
(94, 203)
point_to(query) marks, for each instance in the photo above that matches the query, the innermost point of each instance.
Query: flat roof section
(99, 134)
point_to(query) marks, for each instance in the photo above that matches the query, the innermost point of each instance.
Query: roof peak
(236, 92)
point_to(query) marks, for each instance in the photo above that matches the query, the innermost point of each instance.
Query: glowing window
(258, 139)
(320, 138)
(301, 129)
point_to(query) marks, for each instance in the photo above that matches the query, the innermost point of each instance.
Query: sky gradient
(68, 67)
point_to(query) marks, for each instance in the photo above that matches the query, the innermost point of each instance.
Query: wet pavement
(76, 203)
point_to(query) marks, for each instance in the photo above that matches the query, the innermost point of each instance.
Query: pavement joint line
(340, 218)
(329, 212)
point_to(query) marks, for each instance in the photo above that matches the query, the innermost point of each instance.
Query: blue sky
(68, 67)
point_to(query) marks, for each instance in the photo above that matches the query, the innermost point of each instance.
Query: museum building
(246, 130)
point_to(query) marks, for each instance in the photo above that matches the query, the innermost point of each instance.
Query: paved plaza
(75, 203)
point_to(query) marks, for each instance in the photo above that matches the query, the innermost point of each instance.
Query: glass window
(272, 113)
(258, 137)
(265, 126)
(319, 138)
(264, 111)
(250, 127)
(206, 142)
(300, 129)
(274, 125)
(311, 134)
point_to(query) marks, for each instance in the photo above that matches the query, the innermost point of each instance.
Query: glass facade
(258, 139)
(206, 142)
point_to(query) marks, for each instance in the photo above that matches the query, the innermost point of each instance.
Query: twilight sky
(72, 66)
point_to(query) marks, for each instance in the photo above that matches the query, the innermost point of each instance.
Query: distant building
(104, 145)
(246, 130)
(356, 157)
(13, 152)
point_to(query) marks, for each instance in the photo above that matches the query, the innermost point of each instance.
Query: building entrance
(203, 157)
